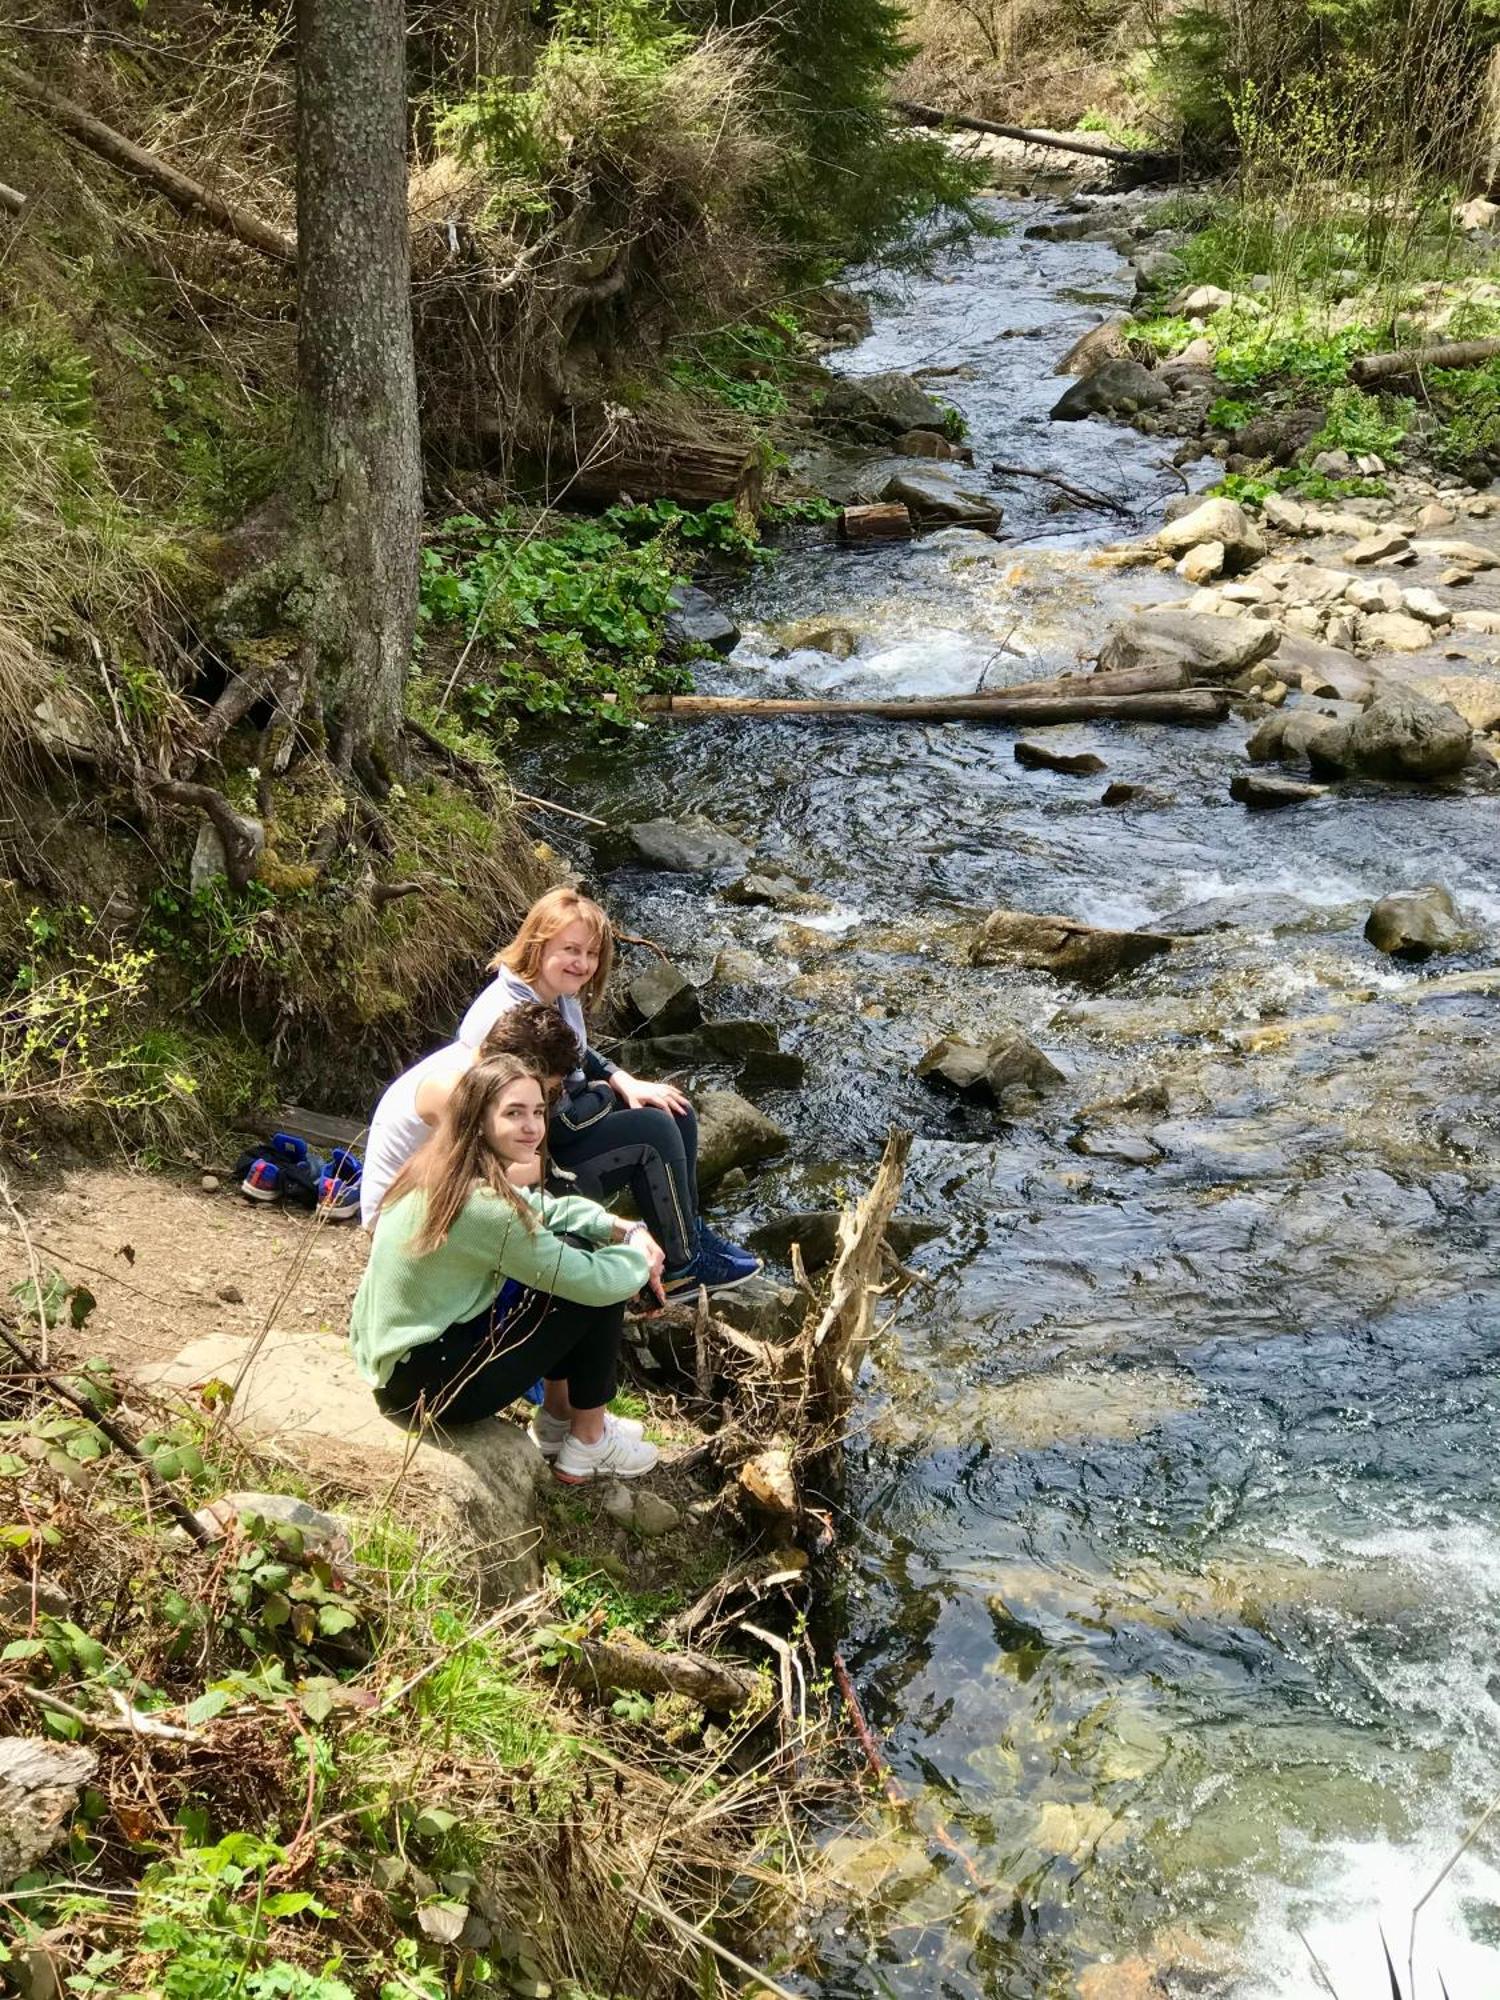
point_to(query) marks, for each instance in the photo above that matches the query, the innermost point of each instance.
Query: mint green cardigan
(405, 1300)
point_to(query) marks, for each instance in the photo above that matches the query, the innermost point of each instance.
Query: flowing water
(1174, 1580)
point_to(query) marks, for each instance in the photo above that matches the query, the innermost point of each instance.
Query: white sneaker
(615, 1456)
(548, 1433)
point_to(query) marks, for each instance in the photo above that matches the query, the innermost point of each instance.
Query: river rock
(1210, 647)
(1270, 912)
(40, 1785)
(1221, 521)
(772, 1069)
(733, 1133)
(1415, 923)
(1010, 1062)
(692, 846)
(1203, 563)
(651, 1515)
(1404, 735)
(840, 642)
(1073, 763)
(1463, 555)
(710, 1042)
(1387, 545)
(1473, 696)
(1154, 268)
(891, 402)
(696, 623)
(1129, 1148)
(1062, 946)
(663, 998)
(931, 444)
(776, 892)
(1117, 389)
(934, 497)
(1373, 594)
(1476, 214)
(1321, 670)
(1091, 350)
(1395, 632)
(1266, 794)
(1287, 515)
(1427, 606)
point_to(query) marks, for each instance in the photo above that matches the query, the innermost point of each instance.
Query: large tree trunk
(360, 494)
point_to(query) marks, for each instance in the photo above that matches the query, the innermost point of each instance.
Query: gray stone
(618, 1502)
(1129, 1148)
(1380, 547)
(1466, 555)
(692, 846)
(1062, 946)
(40, 1783)
(931, 444)
(733, 1133)
(1302, 735)
(1270, 913)
(312, 1523)
(1373, 594)
(776, 892)
(653, 1515)
(210, 1183)
(1073, 763)
(936, 497)
(709, 1042)
(1091, 350)
(1117, 389)
(1404, 735)
(1008, 1063)
(1285, 514)
(1153, 268)
(1203, 562)
(664, 998)
(1415, 923)
(1427, 606)
(1221, 521)
(1475, 697)
(1210, 647)
(1265, 794)
(891, 402)
(473, 1488)
(1321, 670)
(697, 623)
(210, 863)
(1394, 632)
(840, 642)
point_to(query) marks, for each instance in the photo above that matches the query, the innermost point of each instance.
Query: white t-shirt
(396, 1131)
(506, 992)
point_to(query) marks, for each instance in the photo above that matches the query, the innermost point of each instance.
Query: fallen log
(883, 521)
(11, 198)
(616, 1664)
(1190, 705)
(668, 468)
(1413, 360)
(1097, 149)
(189, 195)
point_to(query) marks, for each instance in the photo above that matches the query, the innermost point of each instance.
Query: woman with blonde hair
(476, 1286)
(610, 1130)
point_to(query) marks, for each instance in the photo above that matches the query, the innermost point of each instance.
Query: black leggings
(477, 1367)
(651, 1152)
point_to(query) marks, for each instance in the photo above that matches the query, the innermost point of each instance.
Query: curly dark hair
(537, 1033)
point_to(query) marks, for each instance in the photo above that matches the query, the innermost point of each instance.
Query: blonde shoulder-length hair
(547, 916)
(459, 1156)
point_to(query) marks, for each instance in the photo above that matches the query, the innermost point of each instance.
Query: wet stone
(1073, 763)
(1128, 1148)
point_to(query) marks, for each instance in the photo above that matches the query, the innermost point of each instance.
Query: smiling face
(569, 960)
(518, 1122)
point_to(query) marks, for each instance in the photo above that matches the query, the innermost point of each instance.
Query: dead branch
(1413, 360)
(1060, 142)
(11, 198)
(1081, 494)
(613, 1663)
(838, 1340)
(243, 838)
(188, 195)
(1192, 705)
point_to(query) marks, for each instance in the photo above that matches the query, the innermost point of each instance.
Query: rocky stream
(1173, 1530)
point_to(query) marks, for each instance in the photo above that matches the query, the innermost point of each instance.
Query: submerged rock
(1129, 1148)
(1415, 923)
(693, 846)
(733, 1133)
(1115, 389)
(1010, 1062)
(1266, 794)
(936, 497)
(1062, 946)
(815, 1232)
(1073, 763)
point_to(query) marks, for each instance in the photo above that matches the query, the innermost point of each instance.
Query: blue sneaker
(718, 1267)
(338, 1187)
(284, 1168)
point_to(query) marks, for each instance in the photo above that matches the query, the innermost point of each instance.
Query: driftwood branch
(188, 195)
(838, 1340)
(1061, 142)
(1190, 705)
(1413, 360)
(1081, 494)
(711, 1683)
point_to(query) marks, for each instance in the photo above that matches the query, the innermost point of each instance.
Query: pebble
(231, 1295)
(653, 1515)
(1435, 516)
(210, 1183)
(618, 1502)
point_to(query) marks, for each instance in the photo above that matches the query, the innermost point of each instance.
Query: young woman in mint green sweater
(477, 1285)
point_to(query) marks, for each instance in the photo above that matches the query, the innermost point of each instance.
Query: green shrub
(1359, 423)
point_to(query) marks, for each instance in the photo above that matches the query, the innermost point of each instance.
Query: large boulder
(1415, 923)
(733, 1133)
(474, 1488)
(697, 623)
(1091, 350)
(1211, 648)
(1061, 946)
(936, 498)
(1008, 1063)
(1221, 521)
(664, 999)
(1117, 389)
(1404, 735)
(1321, 670)
(710, 1042)
(1476, 697)
(692, 846)
(892, 402)
(1302, 736)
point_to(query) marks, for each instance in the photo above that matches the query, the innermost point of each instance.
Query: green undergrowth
(344, 1781)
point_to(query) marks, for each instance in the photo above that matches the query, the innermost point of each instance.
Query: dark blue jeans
(606, 1147)
(479, 1365)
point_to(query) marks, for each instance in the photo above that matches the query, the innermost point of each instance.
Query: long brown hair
(547, 916)
(459, 1156)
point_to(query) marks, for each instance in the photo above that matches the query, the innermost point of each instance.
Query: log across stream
(1171, 1542)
